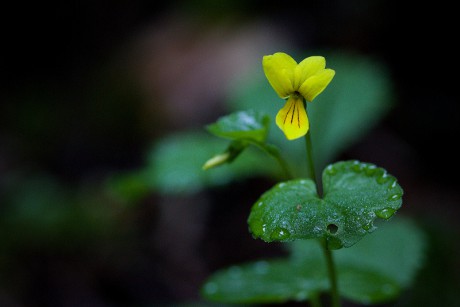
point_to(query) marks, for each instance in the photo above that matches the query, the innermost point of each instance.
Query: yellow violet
(296, 83)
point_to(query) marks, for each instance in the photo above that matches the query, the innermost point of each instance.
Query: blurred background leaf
(354, 103)
(175, 164)
(376, 270)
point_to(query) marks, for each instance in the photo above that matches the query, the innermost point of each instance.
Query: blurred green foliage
(175, 164)
(38, 211)
(355, 101)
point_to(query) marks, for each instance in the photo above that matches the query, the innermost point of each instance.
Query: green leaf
(175, 164)
(358, 97)
(266, 282)
(355, 194)
(248, 125)
(362, 285)
(376, 270)
(395, 250)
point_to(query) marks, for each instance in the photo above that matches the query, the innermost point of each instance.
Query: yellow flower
(296, 83)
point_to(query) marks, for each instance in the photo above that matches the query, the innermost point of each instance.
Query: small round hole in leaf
(332, 228)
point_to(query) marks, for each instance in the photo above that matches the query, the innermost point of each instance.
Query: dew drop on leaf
(385, 213)
(395, 196)
(370, 170)
(368, 227)
(384, 178)
(280, 234)
(331, 170)
(357, 167)
(264, 228)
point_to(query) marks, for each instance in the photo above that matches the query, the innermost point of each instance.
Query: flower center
(297, 95)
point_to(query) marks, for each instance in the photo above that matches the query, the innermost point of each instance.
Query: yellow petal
(314, 85)
(307, 68)
(292, 118)
(279, 70)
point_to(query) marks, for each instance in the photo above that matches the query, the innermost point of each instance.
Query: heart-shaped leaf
(355, 194)
(248, 125)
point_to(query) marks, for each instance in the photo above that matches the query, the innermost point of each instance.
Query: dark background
(76, 105)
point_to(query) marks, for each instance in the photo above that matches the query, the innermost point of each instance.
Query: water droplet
(317, 229)
(383, 178)
(370, 170)
(369, 227)
(385, 213)
(280, 234)
(379, 172)
(395, 196)
(357, 167)
(393, 183)
(281, 185)
(264, 228)
(331, 170)
(211, 288)
(260, 204)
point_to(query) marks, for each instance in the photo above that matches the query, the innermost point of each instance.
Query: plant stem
(332, 274)
(283, 164)
(310, 163)
(335, 298)
(274, 152)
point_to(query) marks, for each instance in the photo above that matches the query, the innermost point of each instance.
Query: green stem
(283, 164)
(332, 274)
(310, 163)
(274, 152)
(335, 298)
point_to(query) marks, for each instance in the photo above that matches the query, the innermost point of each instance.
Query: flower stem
(334, 292)
(310, 163)
(282, 163)
(274, 152)
(335, 298)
